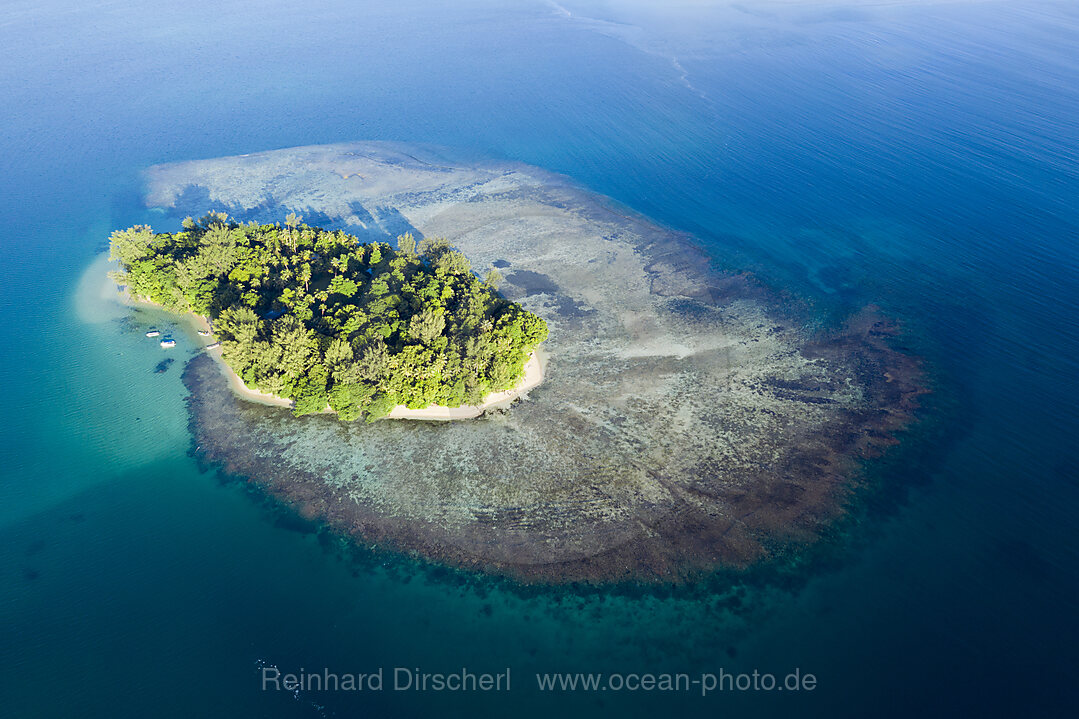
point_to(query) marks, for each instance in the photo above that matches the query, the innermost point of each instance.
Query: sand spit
(686, 421)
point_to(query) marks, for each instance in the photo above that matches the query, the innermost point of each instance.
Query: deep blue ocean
(922, 156)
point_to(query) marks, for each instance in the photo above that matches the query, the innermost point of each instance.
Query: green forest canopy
(318, 317)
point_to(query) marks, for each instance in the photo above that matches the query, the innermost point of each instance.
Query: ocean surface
(921, 156)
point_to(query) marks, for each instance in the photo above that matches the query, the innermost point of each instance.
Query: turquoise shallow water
(920, 156)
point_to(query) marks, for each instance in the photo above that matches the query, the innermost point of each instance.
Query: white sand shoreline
(534, 371)
(535, 368)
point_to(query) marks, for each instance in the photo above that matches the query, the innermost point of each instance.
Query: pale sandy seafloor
(686, 421)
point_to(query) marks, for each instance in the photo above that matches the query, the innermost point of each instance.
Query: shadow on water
(378, 224)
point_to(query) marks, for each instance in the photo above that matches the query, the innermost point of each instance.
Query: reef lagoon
(687, 421)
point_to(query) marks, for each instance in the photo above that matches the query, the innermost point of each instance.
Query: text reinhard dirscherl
(403, 679)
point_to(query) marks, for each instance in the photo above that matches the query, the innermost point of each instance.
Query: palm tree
(305, 275)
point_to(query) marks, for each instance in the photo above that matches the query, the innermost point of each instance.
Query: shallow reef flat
(688, 420)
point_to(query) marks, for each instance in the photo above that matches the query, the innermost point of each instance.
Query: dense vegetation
(321, 318)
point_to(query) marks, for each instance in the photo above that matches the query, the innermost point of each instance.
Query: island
(691, 417)
(325, 322)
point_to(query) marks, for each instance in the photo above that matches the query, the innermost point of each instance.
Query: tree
(130, 245)
(350, 399)
(374, 361)
(452, 262)
(309, 393)
(296, 345)
(212, 218)
(432, 247)
(322, 319)
(238, 323)
(338, 354)
(305, 275)
(343, 286)
(427, 325)
(380, 406)
(406, 244)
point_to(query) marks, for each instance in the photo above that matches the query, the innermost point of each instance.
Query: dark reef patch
(533, 283)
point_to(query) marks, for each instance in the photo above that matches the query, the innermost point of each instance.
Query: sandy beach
(534, 371)
(237, 385)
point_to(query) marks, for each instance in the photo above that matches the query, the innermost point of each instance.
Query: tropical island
(691, 418)
(326, 321)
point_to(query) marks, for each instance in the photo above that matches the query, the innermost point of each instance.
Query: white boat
(153, 333)
(168, 343)
(204, 333)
